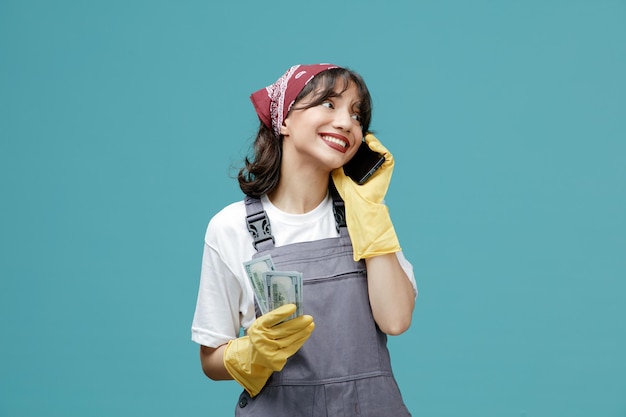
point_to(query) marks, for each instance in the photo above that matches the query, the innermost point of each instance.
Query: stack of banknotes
(272, 288)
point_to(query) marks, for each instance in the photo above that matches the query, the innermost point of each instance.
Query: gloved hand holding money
(269, 342)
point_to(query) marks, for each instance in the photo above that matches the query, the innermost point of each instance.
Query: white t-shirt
(225, 297)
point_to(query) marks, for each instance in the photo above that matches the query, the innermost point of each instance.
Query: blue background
(122, 123)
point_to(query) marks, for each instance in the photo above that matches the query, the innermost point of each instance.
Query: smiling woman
(351, 276)
(261, 175)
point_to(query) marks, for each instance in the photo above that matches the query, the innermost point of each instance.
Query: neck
(299, 192)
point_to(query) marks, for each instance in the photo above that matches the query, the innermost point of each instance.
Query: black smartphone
(364, 163)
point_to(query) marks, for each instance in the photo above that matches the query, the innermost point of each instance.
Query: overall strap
(258, 224)
(339, 210)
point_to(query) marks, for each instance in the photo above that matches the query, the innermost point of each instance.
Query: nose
(343, 120)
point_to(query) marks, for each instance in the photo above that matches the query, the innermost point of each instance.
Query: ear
(284, 130)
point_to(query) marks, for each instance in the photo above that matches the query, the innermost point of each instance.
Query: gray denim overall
(344, 367)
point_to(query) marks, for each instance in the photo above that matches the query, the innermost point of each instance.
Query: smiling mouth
(331, 139)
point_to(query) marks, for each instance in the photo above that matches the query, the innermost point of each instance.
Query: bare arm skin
(212, 360)
(391, 294)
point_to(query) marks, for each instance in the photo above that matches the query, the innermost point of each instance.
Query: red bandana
(273, 102)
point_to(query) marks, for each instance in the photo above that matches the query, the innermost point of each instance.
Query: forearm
(391, 294)
(212, 360)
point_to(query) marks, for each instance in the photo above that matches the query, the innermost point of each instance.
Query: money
(255, 269)
(272, 288)
(284, 288)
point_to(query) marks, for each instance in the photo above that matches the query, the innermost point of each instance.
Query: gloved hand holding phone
(269, 342)
(367, 217)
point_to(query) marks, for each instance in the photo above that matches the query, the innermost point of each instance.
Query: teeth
(335, 140)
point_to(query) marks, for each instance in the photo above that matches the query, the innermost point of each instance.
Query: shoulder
(231, 213)
(228, 223)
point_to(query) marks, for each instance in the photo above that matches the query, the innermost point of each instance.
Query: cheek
(351, 152)
(358, 138)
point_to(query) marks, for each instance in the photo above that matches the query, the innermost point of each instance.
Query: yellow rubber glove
(252, 359)
(367, 217)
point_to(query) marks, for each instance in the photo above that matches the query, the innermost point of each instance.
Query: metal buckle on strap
(259, 228)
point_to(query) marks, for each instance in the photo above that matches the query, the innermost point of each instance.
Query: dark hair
(261, 174)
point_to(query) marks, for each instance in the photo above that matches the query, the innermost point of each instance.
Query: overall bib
(343, 369)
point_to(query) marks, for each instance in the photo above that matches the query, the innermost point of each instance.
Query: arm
(220, 309)
(212, 360)
(374, 239)
(390, 293)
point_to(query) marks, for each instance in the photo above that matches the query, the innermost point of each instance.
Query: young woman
(357, 285)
